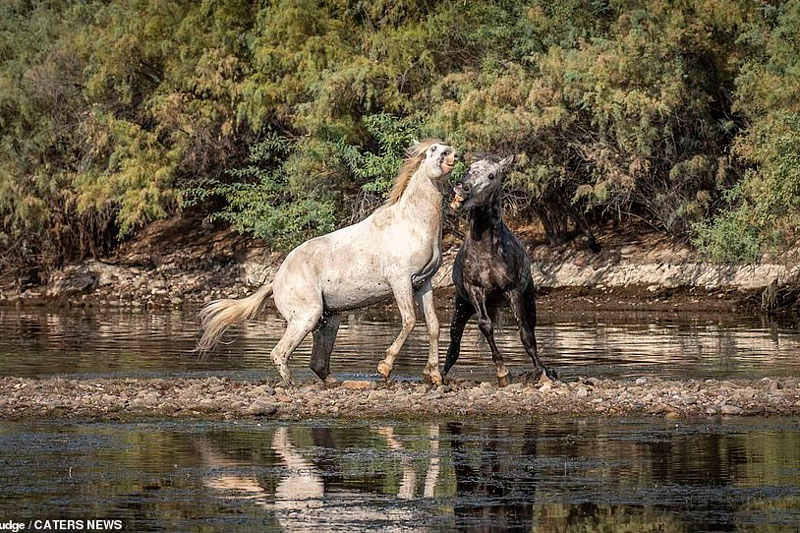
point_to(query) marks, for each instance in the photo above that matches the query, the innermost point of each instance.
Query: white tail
(217, 316)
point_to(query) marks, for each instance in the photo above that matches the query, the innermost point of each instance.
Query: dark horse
(491, 267)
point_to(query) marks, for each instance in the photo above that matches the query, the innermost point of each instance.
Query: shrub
(266, 201)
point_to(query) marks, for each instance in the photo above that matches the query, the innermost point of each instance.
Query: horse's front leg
(404, 295)
(477, 297)
(425, 297)
(462, 312)
(523, 306)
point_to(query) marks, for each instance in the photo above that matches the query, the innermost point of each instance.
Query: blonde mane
(414, 158)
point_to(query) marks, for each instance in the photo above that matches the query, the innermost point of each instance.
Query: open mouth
(457, 201)
(448, 162)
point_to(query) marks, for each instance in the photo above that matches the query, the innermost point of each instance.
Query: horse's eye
(491, 176)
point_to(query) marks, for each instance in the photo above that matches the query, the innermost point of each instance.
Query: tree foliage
(114, 113)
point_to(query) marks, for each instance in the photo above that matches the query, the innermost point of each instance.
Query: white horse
(393, 252)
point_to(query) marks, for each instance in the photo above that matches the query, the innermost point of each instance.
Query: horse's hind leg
(324, 339)
(461, 314)
(425, 297)
(296, 330)
(523, 305)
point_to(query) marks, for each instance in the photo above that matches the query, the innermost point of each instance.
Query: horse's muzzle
(459, 195)
(449, 161)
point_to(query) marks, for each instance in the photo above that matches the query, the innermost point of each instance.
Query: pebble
(358, 385)
(260, 408)
(214, 397)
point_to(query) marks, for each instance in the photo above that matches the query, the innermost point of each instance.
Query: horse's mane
(414, 158)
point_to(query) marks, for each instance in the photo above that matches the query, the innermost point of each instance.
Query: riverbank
(181, 262)
(222, 398)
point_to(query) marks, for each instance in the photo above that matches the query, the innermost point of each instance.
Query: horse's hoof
(545, 377)
(329, 382)
(503, 381)
(384, 369)
(286, 377)
(432, 375)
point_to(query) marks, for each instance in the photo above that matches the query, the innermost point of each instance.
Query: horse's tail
(217, 316)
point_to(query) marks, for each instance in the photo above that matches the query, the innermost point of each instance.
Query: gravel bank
(215, 398)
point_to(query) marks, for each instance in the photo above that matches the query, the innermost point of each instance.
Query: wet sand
(222, 398)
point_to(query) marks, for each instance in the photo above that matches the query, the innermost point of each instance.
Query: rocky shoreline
(223, 398)
(180, 262)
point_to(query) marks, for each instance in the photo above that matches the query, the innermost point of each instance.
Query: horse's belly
(354, 293)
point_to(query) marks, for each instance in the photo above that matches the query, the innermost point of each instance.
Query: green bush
(765, 213)
(265, 201)
(114, 113)
(730, 236)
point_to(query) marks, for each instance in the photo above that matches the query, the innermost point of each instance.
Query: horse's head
(482, 183)
(437, 159)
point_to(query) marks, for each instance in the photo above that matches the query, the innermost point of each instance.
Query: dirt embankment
(182, 262)
(214, 398)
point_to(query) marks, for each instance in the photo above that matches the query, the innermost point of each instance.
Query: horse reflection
(301, 501)
(493, 484)
(408, 485)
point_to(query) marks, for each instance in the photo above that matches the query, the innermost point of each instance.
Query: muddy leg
(461, 314)
(425, 298)
(324, 339)
(405, 303)
(523, 305)
(478, 299)
(296, 331)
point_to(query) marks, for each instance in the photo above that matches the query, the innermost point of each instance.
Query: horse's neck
(486, 225)
(422, 201)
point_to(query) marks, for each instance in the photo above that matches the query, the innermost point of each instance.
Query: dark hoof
(503, 381)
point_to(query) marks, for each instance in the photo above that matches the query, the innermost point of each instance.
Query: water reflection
(484, 496)
(301, 501)
(505, 475)
(41, 341)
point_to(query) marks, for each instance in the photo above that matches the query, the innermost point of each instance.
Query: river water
(490, 475)
(38, 342)
(556, 474)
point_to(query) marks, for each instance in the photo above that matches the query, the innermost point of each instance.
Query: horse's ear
(506, 163)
